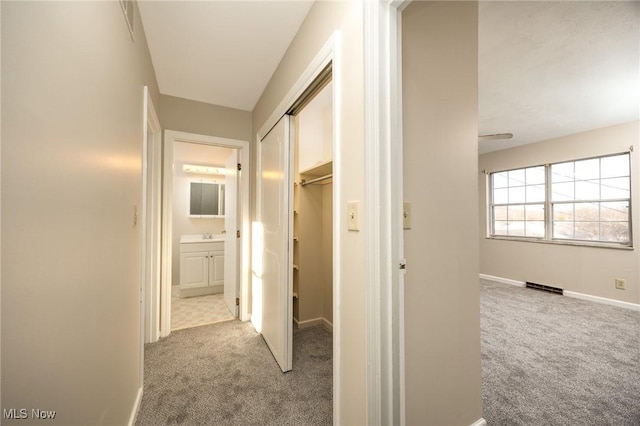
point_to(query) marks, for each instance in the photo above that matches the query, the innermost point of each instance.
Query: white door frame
(383, 208)
(149, 282)
(329, 53)
(170, 137)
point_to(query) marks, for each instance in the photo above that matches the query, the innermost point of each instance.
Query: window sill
(563, 242)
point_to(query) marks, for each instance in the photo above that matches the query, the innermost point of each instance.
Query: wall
(182, 224)
(204, 119)
(349, 324)
(72, 127)
(587, 270)
(442, 324)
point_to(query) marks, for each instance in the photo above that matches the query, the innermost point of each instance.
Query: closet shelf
(321, 173)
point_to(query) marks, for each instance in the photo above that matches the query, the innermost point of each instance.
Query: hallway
(224, 374)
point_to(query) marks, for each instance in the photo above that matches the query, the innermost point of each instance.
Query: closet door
(276, 216)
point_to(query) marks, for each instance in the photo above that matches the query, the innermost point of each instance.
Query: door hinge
(239, 167)
(238, 234)
(237, 301)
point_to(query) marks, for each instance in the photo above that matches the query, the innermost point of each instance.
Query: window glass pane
(562, 172)
(517, 194)
(614, 232)
(587, 169)
(587, 190)
(516, 177)
(535, 193)
(501, 227)
(534, 212)
(587, 211)
(615, 188)
(500, 180)
(535, 175)
(563, 212)
(617, 165)
(587, 231)
(535, 229)
(614, 211)
(516, 213)
(516, 228)
(562, 191)
(563, 230)
(501, 196)
(500, 213)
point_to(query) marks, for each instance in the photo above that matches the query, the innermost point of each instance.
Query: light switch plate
(406, 216)
(353, 215)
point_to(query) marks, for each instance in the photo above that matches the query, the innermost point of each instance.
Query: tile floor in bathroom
(194, 311)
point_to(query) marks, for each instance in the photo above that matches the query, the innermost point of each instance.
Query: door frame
(170, 137)
(149, 286)
(330, 53)
(384, 257)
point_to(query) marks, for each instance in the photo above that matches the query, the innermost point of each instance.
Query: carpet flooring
(224, 374)
(554, 360)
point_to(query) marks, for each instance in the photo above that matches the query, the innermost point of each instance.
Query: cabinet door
(194, 269)
(216, 267)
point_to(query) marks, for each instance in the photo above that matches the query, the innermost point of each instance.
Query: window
(582, 200)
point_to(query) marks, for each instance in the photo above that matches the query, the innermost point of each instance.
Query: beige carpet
(195, 311)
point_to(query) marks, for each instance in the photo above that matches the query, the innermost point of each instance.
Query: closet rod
(309, 182)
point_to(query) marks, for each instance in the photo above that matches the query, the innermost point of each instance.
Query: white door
(231, 228)
(276, 216)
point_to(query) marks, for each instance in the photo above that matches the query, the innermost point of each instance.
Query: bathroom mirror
(207, 199)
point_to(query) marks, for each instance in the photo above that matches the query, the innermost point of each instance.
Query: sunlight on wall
(256, 268)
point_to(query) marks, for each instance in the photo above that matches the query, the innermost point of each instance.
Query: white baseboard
(502, 280)
(597, 299)
(603, 300)
(479, 422)
(315, 321)
(136, 408)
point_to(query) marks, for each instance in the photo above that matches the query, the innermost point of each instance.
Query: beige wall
(323, 19)
(204, 119)
(442, 330)
(72, 104)
(587, 270)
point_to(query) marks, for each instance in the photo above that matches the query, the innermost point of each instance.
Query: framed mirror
(206, 199)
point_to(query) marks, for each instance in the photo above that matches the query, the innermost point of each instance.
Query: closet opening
(312, 244)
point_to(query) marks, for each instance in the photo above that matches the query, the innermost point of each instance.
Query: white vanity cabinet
(201, 268)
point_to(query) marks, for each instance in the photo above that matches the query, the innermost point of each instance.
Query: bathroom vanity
(201, 265)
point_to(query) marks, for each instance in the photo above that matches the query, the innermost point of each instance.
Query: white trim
(603, 300)
(315, 321)
(136, 408)
(384, 236)
(502, 280)
(572, 294)
(480, 422)
(319, 62)
(170, 137)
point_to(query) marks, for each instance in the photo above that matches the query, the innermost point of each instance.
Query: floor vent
(547, 288)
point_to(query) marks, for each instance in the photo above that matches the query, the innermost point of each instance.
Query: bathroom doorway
(204, 230)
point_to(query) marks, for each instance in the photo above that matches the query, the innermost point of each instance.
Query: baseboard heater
(547, 288)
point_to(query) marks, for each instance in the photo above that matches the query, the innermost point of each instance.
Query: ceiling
(546, 69)
(219, 52)
(549, 69)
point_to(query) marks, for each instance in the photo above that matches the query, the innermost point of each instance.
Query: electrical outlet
(621, 284)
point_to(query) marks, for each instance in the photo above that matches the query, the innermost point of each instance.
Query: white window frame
(549, 205)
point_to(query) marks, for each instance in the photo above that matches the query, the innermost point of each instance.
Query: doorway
(213, 256)
(293, 274)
